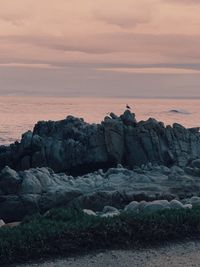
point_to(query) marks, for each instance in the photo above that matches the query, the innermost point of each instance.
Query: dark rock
(12, 209)
(74, 146)
(9, 181)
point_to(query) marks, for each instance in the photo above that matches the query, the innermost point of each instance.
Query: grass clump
(64, 231)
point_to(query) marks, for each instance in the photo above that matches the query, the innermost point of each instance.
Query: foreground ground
(185, 254)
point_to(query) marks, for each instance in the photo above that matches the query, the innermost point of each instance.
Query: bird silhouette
(127, 106)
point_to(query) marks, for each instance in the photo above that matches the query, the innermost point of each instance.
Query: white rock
(89, 212)
(187, 206)
(2, 223)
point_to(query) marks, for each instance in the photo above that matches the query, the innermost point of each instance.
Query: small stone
(89, 212)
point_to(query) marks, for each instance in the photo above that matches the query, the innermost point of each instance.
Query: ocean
(19, 114)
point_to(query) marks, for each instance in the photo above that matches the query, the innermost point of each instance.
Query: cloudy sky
(100, 47)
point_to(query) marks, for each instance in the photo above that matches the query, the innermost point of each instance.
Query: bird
(127, 106)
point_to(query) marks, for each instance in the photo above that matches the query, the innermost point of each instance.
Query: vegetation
(62, 232)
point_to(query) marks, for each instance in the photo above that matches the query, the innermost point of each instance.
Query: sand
(185, 254)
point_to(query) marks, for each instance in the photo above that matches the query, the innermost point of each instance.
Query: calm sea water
(19, 114)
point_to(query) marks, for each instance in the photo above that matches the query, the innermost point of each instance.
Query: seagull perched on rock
(127, 106)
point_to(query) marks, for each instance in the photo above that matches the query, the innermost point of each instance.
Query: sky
(129, 48)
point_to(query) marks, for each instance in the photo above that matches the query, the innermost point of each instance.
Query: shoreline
(174, 254)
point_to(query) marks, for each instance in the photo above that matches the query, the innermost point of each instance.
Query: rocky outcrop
(38, 190)
(76, 147)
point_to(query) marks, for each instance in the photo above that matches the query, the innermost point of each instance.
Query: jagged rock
(114, 139)
(128, 118)
(113, 116)
(41, 189)
(74, 146)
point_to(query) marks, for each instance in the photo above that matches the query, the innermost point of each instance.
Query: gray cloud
(188, 2)
(185, 46)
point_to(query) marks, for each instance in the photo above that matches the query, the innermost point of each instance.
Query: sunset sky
(100, 47)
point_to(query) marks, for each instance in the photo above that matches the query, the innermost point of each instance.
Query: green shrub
(65, 231)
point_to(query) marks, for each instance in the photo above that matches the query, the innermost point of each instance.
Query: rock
(27, 139)
(165, 170)
(11, 225)
(9, 181)
(194, 130)
(113, 116)
(195, 201)
(156, 206)
(187, 206)
(132, 207)
(76, 147)
(142, 204)
(196, 163)
(41, 189)
(57, 197)
(114, 139)
(175, 204)
(89, 212)
(108, 209)
(110, 214)
(12, 209)
(177, 170)
(2, 223)
(128, 118)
